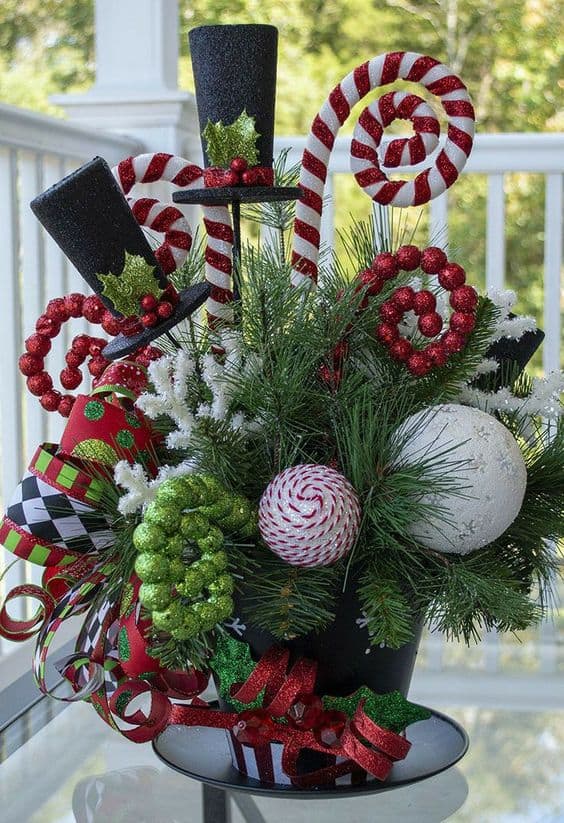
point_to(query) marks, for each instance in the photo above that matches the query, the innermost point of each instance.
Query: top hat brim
(189, 301)
(510, 352)
(236, 194)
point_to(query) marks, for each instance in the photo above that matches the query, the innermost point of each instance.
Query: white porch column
(136, 90)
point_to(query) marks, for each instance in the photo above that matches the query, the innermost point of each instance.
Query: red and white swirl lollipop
(365, 161)
(309, 515)
(168, 219)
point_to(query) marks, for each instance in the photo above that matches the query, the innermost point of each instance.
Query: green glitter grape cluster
(182, 567)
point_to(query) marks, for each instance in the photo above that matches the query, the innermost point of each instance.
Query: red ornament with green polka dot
(181, 559)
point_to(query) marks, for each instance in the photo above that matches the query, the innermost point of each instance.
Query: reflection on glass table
(76, 769)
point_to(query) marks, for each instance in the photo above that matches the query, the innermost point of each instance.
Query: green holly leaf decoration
(391, 711)
(126, 290)
(232, 663)
(224, 143)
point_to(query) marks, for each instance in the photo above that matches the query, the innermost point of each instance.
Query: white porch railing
(36, 151)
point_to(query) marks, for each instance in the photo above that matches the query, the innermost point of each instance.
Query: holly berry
(170, 294)
(57, 310)
(386, 333)
(401, 350)
(40, 383)
(408, 257)
(149, 302)
(430, 324)
(390, 312)
(74, 303)
(462, 322)
(386, 265)
(340, 351)
(70, 378)
(149, 320)
(97, 345)
(73, 359)
(93, 309)
(231, 178)
(464, 299)
(424, 302)
(47, 326)
(30, 364)
(164, 310)
(419, 364)
(38, 344)
(404, 298)
(437, 352)
(50, 400)
(238, 165)
(453, 341)
(433, 260)
(452, 276)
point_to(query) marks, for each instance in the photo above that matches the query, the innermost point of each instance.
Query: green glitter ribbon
(224, 143)
(137, 279)
(232, 663)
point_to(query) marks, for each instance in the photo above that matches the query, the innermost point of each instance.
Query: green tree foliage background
(509, 53)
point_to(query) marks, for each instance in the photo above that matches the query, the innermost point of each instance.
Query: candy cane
(150, 168)
(380, 71)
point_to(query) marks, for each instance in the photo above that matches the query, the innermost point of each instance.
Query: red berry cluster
(154, 309)
(255, 727)
(84, 349)
(238, 174)
(451, 277)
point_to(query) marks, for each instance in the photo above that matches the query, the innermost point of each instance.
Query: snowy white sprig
(169, 376)
(140, 488)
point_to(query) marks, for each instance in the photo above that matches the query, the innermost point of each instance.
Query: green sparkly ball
(166, 518)
(155, 596)
(219, 560)
(194, 526)
(212, 542)
(190, 627)
(169, 618)
(193, 583)
(219, 508)
(250, 528)
(175, 492)
(152, 568)
(212, 486)
(223, 584)
(238, 516)
(224, 605)
(207, 614)
(148, 538)
(174, 546)
(177, 570)
(207, 570)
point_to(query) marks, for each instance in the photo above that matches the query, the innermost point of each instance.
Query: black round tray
(203, 754)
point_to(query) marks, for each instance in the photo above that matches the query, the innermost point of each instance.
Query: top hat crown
(234, 69)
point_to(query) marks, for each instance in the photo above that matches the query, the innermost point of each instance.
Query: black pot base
(203, 754)
(237, 194)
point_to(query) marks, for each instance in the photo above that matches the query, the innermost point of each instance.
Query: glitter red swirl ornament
(365, 163)
(154, 167)
(309, 515)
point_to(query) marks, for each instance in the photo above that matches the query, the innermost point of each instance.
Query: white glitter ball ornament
(309, 515)
(490, 468)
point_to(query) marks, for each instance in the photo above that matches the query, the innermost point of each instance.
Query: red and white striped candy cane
(380, 71)
(150, 168)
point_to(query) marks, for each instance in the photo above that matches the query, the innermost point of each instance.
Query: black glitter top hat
(235, 76)
(89, 219)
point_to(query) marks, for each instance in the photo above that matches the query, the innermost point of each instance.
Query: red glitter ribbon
(363, 743)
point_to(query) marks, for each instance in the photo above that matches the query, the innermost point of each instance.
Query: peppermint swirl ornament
(309, 515)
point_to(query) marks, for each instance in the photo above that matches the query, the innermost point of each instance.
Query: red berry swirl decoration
(451, 277)
(365, 159)
(85, 349)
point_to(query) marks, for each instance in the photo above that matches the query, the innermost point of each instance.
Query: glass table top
(76, 769)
